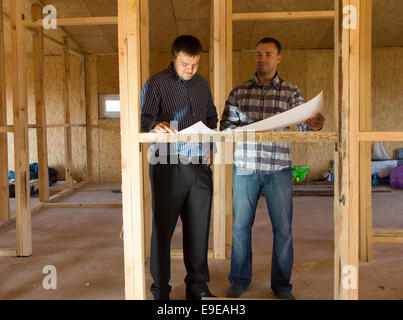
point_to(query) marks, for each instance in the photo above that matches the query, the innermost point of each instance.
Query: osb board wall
(387, 93)
(109, 129)
(54, 87)
(310, 70)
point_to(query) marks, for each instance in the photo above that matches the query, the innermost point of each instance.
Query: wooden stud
(92, 118)
(365, 249)
(21, 141)
(42, 144)
(347, 156)
(145, 73)
(83, 104)
(4, 187)
(217, 78)
(227, 175)
(67, 115)
(265, 16)
(130, 85)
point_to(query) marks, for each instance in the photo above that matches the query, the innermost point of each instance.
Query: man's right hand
(164, 127)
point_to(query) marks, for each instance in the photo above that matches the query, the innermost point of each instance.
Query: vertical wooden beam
(227, 175)
(346, 204)
(83, 104)
(21, 146)
(130, 85)
(145, 73)
(218, 80)
(41, 134)
(365, 125)
(67, 114)
(92, 118)
(4, 188)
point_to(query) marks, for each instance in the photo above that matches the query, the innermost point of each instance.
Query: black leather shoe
(197, 291)
(284, 295)
(234, 292)
(160, 294)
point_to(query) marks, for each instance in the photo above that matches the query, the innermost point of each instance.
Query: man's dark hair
(271, 40)
(187, 44)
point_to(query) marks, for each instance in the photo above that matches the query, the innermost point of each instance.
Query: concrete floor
(85, 248)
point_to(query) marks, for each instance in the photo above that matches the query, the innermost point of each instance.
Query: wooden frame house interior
(49, 108)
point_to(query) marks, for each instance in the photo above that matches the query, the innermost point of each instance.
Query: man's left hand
(316, 122)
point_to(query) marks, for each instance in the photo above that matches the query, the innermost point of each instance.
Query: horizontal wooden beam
(303, 15)
(84, 21)
(390, 235)
(6, 129)
(82, 205)
(380, 136)
(51, 39)
(63, 125)
(8, 252)
(240, 137)
(68, 191)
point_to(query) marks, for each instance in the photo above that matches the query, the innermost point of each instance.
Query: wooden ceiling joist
(84, 21)
(303, 15)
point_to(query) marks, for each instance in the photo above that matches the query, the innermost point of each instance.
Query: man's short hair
(271, 40)
(187, 44)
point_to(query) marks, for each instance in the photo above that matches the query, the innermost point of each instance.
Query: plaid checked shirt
(250, 102)
(167, 97)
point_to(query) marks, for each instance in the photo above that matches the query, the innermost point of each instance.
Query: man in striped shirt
(263, 165)
(181, 180)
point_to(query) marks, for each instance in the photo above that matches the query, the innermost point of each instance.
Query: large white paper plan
(198, 127)
(288, 118)
(285, 119)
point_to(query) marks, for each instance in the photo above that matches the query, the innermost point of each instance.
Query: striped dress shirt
(250, 102)
(167, 97)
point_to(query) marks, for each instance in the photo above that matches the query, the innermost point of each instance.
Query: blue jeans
(277, 188)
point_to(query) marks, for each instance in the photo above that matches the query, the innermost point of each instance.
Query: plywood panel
(91, 96)
(109, 150)
(387, 93)
(54, 78)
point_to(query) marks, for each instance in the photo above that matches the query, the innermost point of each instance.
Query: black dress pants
(185, 190)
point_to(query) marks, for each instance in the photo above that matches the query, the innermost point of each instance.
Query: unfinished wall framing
(346, 138)
(21, 126)
(351, 137)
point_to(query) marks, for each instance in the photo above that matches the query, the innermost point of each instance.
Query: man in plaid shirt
(264, 165)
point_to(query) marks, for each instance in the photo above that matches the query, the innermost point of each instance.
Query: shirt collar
(276, 82)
